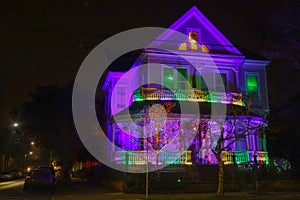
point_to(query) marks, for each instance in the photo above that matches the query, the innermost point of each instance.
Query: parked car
(6, 175)
(46, 167)
(39, 178)
(17, 173)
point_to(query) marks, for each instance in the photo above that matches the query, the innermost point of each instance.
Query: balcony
(164, 157)
(244, 157)
(187, 95)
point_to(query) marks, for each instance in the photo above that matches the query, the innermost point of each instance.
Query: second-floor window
(221, 81)
(252, 85)
(181, 78)
(121, 97)
(199, 83)
(168, 78)
(175, 78)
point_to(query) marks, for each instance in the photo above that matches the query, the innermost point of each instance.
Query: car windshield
(38, 173)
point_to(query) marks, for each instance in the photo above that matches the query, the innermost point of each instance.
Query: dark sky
(44, 42)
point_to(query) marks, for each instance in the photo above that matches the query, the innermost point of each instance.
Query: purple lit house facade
(150, 109)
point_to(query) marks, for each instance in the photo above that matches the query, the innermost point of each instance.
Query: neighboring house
(202, 69)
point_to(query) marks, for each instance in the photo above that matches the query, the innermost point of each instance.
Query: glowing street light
(16, 124)
(32, 143)
(30, 153)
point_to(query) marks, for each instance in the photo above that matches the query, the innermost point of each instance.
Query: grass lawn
(234, 196)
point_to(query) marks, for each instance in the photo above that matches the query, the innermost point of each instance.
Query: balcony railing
(164, 157)
(187, 95)
(244, 157)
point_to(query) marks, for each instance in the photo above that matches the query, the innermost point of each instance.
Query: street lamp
(16, 124)
(32, 143)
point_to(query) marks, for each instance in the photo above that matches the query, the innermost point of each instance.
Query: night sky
(45, 42)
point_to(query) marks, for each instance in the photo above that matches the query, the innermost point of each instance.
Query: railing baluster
(190, 94)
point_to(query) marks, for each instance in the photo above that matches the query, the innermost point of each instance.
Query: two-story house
(172, 93)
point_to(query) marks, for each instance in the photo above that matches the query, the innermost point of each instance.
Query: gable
(209, 35)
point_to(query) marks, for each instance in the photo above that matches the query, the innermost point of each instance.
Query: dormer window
(193, 43)
(194, 40)
(193, 37)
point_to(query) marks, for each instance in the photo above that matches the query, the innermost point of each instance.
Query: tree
(12, 145)
(283, 78)
(236, 126)
(47, 117)
(154, 118)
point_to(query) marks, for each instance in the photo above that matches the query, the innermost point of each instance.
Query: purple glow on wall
(126, 90)
(211, 35)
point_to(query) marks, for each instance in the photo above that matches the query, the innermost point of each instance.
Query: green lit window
(200, 83)
(169, 78)
(181, 78)
(175, 79)
(203, 85)
(252, 85)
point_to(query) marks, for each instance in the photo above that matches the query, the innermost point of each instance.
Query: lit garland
(188, 95)
(282, 165)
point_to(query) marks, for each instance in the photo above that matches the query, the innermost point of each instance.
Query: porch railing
(244, 157)
(164, 157)
(187, 95)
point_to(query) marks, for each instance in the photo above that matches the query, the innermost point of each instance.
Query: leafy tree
(47, 117)
(283, 79)
(229, 134)
(13, 145)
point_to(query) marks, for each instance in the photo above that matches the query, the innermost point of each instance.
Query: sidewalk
(82, 190)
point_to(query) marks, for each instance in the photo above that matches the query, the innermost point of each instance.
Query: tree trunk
(220, 192)
(157, 167)
(6, 162)
(66, 171)
(2, 162)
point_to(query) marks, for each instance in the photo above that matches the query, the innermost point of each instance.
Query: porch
(163, 157)
(240, 157)
(185, 157)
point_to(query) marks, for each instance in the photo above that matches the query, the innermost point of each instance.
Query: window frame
(188, 30)
(121, 97)
(175, 76)
(226, 72)
(258, 83)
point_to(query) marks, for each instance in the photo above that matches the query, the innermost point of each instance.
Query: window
(121, 97)
(200, 83)
(252, 85)
(221, 81)
(194, 40)
(241, 144)
(118, 138)
(194, 80)
(175, 79)
(193, 35)
(168, 78)
(181, 78)
(206, 81)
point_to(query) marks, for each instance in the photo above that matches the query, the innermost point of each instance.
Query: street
(14, 190)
